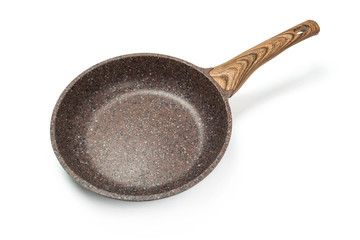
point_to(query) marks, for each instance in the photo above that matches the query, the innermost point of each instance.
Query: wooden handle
(233, 74)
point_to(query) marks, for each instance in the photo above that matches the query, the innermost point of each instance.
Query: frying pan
(147, 126)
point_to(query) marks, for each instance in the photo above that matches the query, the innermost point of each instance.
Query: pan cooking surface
(139, 126)
(145, 138)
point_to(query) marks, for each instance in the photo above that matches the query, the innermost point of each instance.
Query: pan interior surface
(140, 126)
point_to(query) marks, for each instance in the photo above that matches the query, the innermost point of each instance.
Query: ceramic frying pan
(147, 126)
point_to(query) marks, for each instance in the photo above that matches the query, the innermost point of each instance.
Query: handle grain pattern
(233, 74)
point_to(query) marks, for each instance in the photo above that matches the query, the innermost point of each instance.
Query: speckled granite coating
(141, 127)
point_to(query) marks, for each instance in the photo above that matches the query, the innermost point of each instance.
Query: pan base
(144, 139)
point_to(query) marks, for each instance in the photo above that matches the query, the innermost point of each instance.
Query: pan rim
(156, 196)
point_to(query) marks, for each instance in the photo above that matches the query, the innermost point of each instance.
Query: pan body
(141, 127)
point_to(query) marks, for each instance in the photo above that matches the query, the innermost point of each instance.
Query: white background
(292, 168)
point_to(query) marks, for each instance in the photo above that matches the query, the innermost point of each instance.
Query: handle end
(310, 27)
(315, 26)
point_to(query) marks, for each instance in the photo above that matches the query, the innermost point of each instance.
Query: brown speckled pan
(147, 126)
